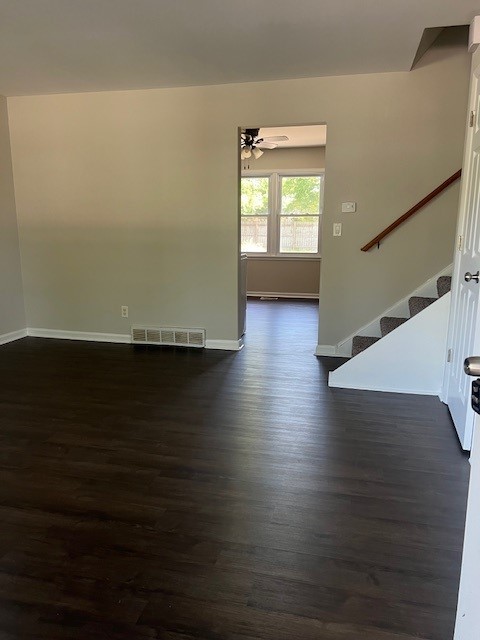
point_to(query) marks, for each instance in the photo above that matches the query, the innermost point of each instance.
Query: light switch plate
(349, 207)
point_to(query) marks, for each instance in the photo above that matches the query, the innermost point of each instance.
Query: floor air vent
(169, 336)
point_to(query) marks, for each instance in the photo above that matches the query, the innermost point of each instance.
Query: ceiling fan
(251, 143)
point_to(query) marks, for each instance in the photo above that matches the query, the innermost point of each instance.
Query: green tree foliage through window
(281, 214)
(254, 196)
(301, 195)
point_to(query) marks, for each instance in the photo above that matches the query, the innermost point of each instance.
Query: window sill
(257, 256)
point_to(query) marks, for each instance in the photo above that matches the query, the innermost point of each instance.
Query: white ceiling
(54, 46)
(308, 136)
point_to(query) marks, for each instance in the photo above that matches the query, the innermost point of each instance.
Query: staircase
(388, 324)
(409, 354)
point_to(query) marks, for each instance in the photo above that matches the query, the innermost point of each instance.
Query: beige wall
(12, 313)
(289, 158)
(283, 276)
(121, 201)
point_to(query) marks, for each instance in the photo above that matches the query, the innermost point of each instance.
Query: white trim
(399, 310)
(474, 35)
(13, 335)
(327, 350)
(79, 335)
(266, 173)
(284, 256)
(225, 345)
(274, 294)
(386, 389)
(119, 338)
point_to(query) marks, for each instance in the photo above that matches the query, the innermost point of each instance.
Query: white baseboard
(276, 294)
(79, 335)
(328, 350)
(118, 338)
(225, 345)
(13, 335)
(387, 389)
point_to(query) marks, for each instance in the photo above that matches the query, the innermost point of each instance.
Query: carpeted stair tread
(444, 284)
(416, 304)
(419, 303)
(360, 343)
(389, 323)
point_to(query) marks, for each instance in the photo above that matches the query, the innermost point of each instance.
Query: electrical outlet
(337, 229)
(124, 312)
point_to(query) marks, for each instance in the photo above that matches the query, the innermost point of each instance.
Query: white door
(464, 327)
(467, 626)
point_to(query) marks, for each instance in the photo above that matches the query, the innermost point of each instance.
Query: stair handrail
(412, 211)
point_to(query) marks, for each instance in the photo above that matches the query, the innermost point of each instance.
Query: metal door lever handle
(471, 366)
(472, 276)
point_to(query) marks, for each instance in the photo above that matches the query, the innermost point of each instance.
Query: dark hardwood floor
(176, 494)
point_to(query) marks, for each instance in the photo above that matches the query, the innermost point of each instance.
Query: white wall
(12, 313)
(123, 199)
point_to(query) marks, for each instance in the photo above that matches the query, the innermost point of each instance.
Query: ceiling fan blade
(276, 138)
(266, 145)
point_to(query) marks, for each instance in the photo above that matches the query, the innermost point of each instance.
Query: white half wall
(410, 359)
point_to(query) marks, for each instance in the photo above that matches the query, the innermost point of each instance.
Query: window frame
(274, 212)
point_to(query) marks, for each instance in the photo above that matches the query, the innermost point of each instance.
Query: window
(280, 214)
(255, 212)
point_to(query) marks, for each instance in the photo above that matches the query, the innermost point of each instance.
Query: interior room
(195, 444)
(282, 185)
(277, 268)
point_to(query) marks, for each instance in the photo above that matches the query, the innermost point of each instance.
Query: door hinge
(449, 355)
(460, 243)
(472, 118)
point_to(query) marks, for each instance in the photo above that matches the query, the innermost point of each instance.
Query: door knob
(472, 276)
(471, 366)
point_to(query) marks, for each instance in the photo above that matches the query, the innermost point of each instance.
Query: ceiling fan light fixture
(253, 145)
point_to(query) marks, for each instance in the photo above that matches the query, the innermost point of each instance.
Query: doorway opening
(282, 182)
